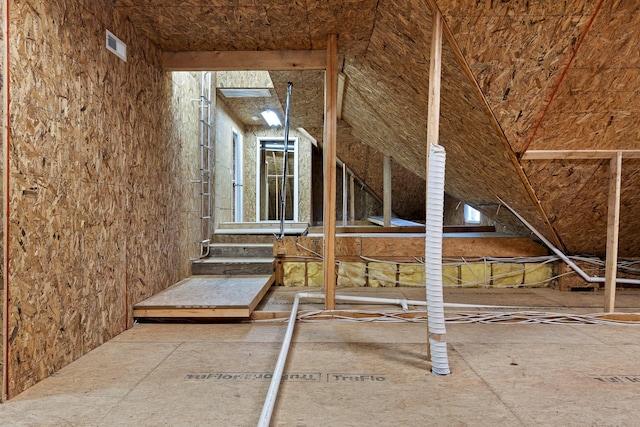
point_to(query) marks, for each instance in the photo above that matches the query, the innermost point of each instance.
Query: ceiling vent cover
(116, 46)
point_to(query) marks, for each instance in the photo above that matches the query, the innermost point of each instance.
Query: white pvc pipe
(563, 257)
(433, 260)
(272, 393)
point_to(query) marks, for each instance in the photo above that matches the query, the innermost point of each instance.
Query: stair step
(262, 227)
(232, 265)
(241, 250)
(242, 238)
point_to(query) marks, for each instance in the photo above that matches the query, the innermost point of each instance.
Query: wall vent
(116, 46)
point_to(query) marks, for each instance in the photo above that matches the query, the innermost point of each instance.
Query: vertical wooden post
(352, 199)
(433, 113)
(435, 70)
(386, 190)
(6, 142)
(345, 195)
(613, 223)
(330, 131)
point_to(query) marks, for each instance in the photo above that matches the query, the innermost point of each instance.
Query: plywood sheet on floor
(344, 374)
(207, 296)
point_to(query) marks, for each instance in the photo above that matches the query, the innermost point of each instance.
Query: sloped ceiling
(516, 76)
(562, 75)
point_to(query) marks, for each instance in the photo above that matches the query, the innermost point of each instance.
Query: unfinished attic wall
(185, 110)
(223, 162)
(95, 183)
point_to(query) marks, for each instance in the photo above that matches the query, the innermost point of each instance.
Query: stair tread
(241, 245)
(242, 260)
(260, 231)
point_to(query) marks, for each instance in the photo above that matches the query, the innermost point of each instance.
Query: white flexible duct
(433, 260)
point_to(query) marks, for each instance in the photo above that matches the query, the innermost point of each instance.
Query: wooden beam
(345, 195)
(613, 223)
(386, 191)
(579, 154)
(352, 198)
(265, 60)
(435, 71)
(342, 78)
(330, 135)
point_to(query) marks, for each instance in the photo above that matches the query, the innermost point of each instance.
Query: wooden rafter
(579, 154)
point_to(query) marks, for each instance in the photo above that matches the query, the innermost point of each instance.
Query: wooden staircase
(243, 249)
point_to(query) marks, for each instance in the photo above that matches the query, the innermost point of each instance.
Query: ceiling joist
(578, 154)
(266, 60)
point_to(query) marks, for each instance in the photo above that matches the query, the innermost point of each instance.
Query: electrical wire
(462, 317)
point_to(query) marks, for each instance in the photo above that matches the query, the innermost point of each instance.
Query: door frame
(296, 176)
(237, 178)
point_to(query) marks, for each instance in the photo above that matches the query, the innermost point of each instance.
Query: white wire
(460, 317)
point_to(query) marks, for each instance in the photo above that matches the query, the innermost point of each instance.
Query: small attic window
(471, 215)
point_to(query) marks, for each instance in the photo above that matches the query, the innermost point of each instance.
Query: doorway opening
(270, 167)
(237, 176)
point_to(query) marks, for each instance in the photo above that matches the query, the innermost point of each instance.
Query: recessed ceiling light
(271, 118)
(245, 93)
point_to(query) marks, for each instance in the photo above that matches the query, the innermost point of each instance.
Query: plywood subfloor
(207, 296)
(344, 374)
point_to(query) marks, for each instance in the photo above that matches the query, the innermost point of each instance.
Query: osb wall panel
(516, 51)
(521, 56)
(223, 166)
(575, 193)
(94, 187)
(391, 115)
(595, 108)
(186, 114)
(243, 79)
(596, 103)
(307, 98)
(270, 25)
(249, 174)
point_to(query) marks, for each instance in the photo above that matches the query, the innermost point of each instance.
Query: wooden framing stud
(613, 223)
(330, 135)
(386, 185)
